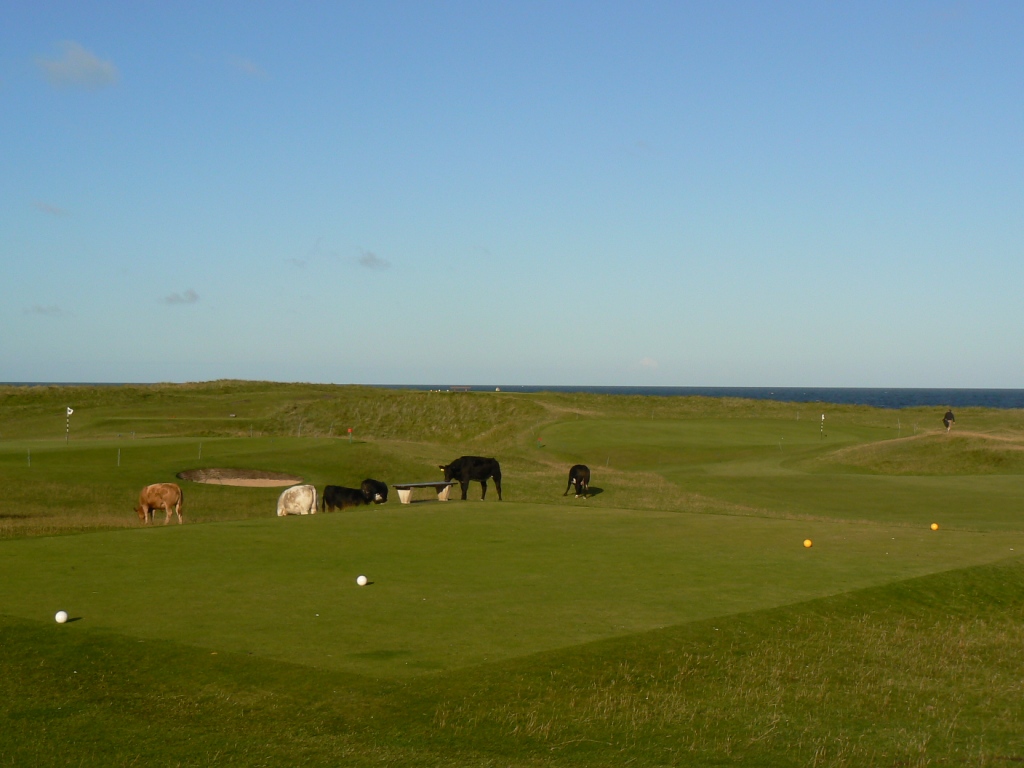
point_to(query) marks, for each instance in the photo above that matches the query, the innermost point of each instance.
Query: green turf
(674, 618)
(467, 583)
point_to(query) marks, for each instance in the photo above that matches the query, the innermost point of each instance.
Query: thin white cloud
(649, 363)
(188, 297)
(246, 67)
(371, 260)
(51, 310)
(78, 68)
(53, 210)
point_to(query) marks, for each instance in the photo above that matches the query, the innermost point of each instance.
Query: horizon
(491, 386)
(632, 194)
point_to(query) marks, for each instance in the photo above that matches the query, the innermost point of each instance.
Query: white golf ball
(61, 617)
(361, 581)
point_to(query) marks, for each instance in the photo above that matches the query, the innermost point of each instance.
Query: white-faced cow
(375, 490)
(297, 500)
(579, 475)
(166, 496)
(477, 468)
(340, 497)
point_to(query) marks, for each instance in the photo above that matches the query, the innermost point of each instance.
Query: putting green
(454, 584)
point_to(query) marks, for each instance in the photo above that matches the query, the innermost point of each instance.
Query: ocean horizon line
(881, 397)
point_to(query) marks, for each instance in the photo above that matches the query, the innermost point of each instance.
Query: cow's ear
(441, 466)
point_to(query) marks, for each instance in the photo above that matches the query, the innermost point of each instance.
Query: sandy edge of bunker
(253, 478)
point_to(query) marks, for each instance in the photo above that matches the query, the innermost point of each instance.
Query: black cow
(579, 475)
(375, 490)
(478, 468)
(337, 496)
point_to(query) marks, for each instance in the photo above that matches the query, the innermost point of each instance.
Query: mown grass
(923, 672)
(467, 583)
(672, 619)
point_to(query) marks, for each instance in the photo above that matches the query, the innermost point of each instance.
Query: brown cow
(160, 495)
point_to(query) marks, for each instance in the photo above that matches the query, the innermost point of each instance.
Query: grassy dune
(962, 453)
(674, 618)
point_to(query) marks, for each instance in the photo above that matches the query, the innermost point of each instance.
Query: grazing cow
(339, 497)
(579, 475)
(375, 490)
(478, 468)
(297, 500)
(166, 496)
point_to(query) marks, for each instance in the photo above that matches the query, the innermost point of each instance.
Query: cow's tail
(181, 504)
(323, 502)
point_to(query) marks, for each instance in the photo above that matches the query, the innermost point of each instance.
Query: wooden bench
(442, 487)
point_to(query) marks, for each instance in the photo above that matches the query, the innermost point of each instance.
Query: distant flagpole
(67, 425)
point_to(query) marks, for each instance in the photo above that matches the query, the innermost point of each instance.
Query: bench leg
(442, 493)
(405, 495)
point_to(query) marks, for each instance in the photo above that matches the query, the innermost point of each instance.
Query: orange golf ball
(808, 542)
(935, 526)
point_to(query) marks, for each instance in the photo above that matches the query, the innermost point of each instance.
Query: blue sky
(695, 194)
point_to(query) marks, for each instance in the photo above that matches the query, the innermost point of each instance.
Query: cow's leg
(167, 510)
(497, 484)
(177, 511)
(465, 488)
(483, 485)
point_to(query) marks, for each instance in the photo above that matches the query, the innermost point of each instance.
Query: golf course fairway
(744, 584)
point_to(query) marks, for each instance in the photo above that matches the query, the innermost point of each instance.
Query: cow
(166, 496)
(375, 490)
(297, 500)
(579, 475)
(467, 468)
(339, 497)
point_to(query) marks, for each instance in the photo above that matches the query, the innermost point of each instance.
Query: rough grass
(925, 672)
(939, 453)
(237, 409)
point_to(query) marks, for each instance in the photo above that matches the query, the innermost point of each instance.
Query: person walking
(949, 419)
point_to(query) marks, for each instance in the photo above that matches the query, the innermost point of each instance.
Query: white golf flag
(70, 411)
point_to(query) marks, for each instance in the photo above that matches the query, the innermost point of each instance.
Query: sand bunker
(252, 478)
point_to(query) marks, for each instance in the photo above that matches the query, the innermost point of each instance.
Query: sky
(570, 193)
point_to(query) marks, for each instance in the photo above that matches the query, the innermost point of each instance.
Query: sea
(875, 396)
(880, 397)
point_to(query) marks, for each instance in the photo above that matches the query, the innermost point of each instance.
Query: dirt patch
(253, 478)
